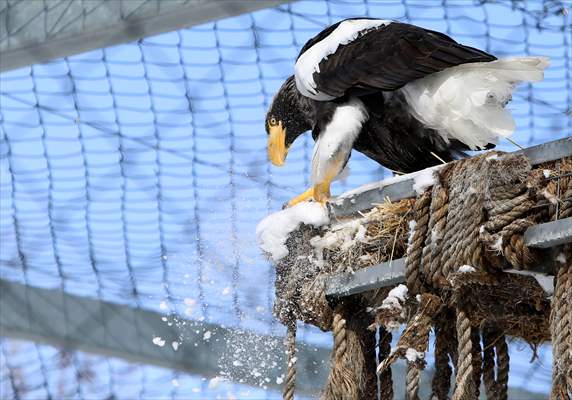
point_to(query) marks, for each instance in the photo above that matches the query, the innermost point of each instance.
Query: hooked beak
(277, 149)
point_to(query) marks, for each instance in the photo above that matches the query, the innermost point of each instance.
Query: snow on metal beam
(33, 32)
(79, 323)
(402, 187)
(393, 272)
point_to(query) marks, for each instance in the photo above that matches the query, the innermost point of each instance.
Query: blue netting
(136, 174)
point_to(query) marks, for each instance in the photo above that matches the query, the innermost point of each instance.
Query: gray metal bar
(390, 273)
(549, 234)
(115, 330)
(402, 187)
(32, 35)
(380, 275)
(548, 151)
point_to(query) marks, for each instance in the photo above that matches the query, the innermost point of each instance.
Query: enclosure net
(136, 175)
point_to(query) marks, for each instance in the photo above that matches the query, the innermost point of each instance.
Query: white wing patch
(337, 139)
(309, 61)
(467, 102)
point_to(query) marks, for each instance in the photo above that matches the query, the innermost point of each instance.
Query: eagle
(407, 97)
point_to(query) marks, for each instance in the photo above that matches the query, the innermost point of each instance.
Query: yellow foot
(303, 197)
(320, 193)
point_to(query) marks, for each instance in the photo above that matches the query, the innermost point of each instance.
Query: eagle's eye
(273, 121)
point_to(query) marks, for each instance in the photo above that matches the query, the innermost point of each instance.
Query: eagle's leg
(320, 192)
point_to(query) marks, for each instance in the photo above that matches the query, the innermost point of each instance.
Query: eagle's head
(285, 120)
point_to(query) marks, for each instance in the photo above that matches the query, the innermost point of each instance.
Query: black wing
(389, 57)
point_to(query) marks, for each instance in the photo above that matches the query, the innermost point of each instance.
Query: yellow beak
(277, 149)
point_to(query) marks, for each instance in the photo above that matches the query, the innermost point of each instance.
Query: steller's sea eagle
(394, 92)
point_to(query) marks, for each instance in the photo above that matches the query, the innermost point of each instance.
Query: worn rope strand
(464, 384)
(290, 382)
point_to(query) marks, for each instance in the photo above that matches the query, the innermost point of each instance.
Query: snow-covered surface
(335, 142)
(464, 269)
(421, 181)
(467, 102)
(424, 179)
(273, 230)
(309, 61)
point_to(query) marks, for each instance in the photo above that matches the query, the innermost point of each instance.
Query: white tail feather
(467, 102)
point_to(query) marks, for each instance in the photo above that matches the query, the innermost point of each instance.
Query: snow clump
(273, 230)
(466, 269)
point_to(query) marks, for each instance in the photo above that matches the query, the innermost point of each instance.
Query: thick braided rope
(489, 362)
(412, 380)
(290, 382)
(414, 251)
(439, 211)
(503, 362)
(464, 219)
(348, 373)
(464, 383)
(561, 330)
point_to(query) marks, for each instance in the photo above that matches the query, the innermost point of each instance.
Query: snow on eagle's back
(309, 61)
(273, 230)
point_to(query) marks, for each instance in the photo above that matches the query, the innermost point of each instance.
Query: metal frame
(393, 272)
(67, 321)
(402, 187)
(106, 27)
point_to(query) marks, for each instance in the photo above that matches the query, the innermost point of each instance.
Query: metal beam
(79, 323)
(33, 32)
(401, 187)
(393, 272)
(549, 234)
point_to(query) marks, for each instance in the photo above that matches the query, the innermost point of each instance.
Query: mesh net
(136, 174)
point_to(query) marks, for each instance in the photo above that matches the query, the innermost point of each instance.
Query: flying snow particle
(175, 382)
(175, 345)
(163, 305)
(215, 382)
(158, 341)
(207, 335)
(226, 291)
